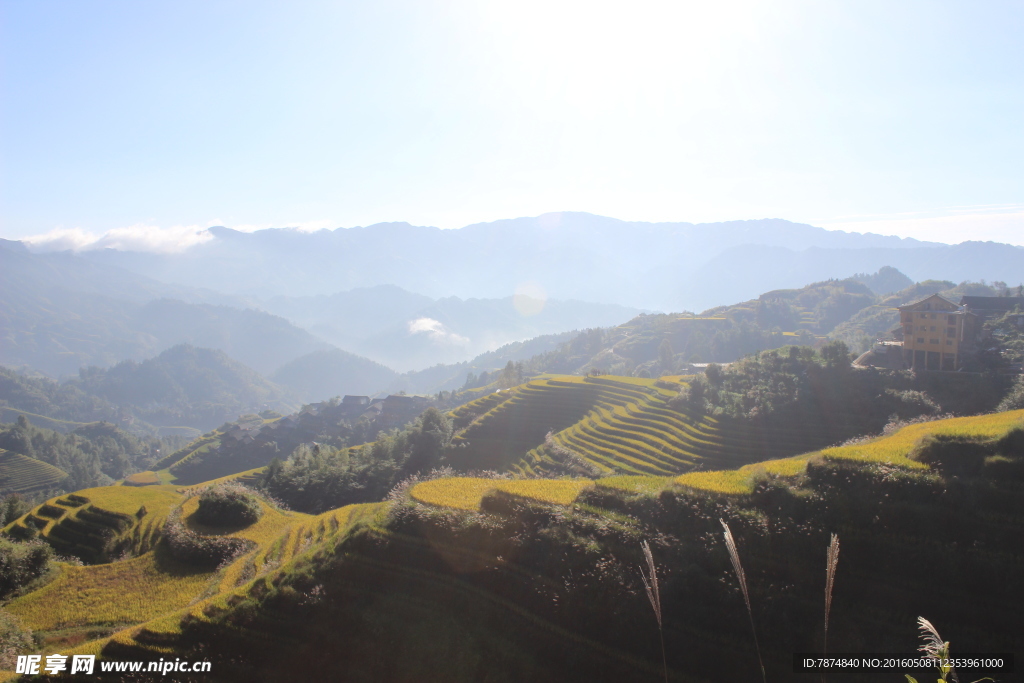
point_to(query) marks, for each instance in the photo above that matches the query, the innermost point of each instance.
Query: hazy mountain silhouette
(570, 255)
(409, 331)
(60, 312)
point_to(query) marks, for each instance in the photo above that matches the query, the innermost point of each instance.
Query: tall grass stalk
(831, 560)
(937, 649)
(734, 555)
(651, 586)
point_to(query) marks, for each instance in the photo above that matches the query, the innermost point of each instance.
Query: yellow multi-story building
(936, 333)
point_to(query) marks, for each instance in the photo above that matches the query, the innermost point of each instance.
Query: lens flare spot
(529, 299)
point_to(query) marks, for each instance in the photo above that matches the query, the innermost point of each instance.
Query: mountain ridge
(569, 255)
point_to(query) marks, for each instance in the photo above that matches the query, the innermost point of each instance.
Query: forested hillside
(332, 372)
(182, 387)
(61, 313)
(92, 455)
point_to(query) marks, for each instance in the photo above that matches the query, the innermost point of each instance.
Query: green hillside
(21, 474)
(183, 389)
(466, 579)
(332, 372)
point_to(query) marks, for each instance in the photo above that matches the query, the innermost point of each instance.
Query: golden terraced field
(618, 425)
(146, 597)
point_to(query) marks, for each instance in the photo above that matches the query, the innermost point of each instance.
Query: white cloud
(436, 331)
(147, 238)
(150, 238)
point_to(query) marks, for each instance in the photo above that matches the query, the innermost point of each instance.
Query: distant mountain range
(570, 256)
(407, 331)
(200, 387)
(184, 386)
(62, 311)
(412, 298)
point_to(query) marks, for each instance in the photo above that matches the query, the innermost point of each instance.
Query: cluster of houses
(938, 334)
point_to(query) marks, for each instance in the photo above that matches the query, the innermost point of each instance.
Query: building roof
(993, 303)
(914, 304)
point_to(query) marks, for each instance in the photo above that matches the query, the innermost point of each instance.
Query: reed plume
(734, 555)
(651, 586)
(831, 560)
(935, 648)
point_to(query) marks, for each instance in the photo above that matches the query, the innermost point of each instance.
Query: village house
(937, 333)
(987, 307)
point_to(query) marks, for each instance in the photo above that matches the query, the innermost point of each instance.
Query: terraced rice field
(894, 449)
(117, 593)
(246, 478)
(142, 479)
(151, 594)
(465, 493)
(306, 534)
(618, 424)
(22, 474)
(200, 445)
(154, 589)
(82, 523)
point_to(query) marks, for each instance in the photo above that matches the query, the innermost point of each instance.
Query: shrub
(204, 551)
(13, 640)
(22, 563)
(228, 505)
(955, 455)
(1014, 400)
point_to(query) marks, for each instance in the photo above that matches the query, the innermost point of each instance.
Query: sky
(156, 120)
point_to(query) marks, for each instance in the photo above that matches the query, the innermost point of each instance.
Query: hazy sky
(894, 117)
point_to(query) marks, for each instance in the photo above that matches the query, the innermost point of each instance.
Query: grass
(246, 477)
(742, 480)
(142, 479)
(897, 448)
(127, 499)
(22, 474)
(465, 493)
(125, 592)
(633, 484)
(728, 481)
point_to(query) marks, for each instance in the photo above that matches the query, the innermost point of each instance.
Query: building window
(952, 320)
(933, 341)
(920, 340)
(949, 342)
(950, 331)
(933, 328)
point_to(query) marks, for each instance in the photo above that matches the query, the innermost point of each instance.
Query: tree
(1014, 400)
(836, 354)
(714, 374)
(666, 355)
(12, 507)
